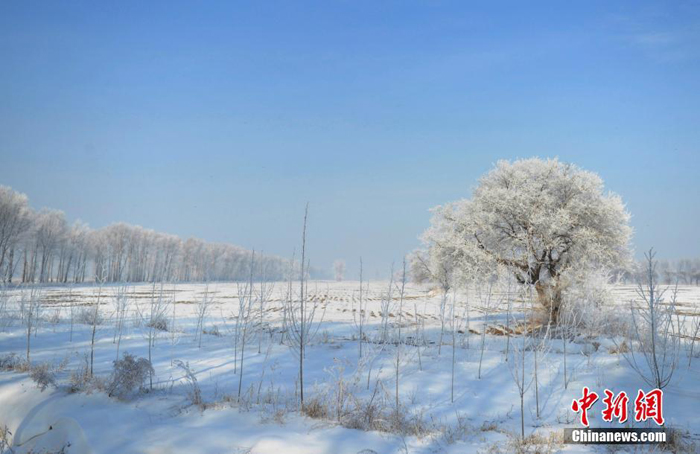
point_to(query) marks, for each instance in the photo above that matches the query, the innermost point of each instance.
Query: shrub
(532, 444)
(5, 439)
(11, 362)
(590, 309)
(315, 408)
(88, 316)
(158, 322)
(679, 442)
(43, 375)
(54, 318)
(213, 331)
(128, 376)
(376, 412)
(81, 380)
(622, 348)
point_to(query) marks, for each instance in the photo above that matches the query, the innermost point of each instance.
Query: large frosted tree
(544, 220)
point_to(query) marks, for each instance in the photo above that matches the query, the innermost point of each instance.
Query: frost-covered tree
(339, 269)
(51, 229)
(546, 221)
(418, 271)
(15, 218)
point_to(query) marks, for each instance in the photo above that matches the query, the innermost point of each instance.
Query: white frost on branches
(546, 221)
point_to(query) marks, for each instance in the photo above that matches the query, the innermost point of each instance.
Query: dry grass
(621, 349)
(533, 444)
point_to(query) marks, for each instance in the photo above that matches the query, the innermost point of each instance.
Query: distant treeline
(683, 271)
(40, 246)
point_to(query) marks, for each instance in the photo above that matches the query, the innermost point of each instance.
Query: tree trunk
(549, 296)
(10, 266)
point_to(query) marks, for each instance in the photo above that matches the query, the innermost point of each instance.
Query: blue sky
(221, 119)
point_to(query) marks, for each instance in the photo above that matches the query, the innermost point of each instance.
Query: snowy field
(476, 414)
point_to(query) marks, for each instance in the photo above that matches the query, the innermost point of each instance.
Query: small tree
(439, 265)
(265, 294)
(694, 330)
(121, 302)
(244, 320)
(568, 329)
(359, 314)
(399, 321)
(31, 310)
(203, 306)
(485, 293)
(301, 325)
(540, 348)
(71, 311)
(518, 363)
(418, 272)
(655, 333)
(385, 308)
(419, 333)
(339, 269)
(4, 300)
(95, 319)
(457, 324)
(154, 317)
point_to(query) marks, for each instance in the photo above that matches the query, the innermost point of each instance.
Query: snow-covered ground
(484, 417)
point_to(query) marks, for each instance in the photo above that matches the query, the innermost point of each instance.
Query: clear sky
(219, 120)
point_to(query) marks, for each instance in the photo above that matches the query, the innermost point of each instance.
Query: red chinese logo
(615, 407)
(582, 405)
(646, 406)
(649, 406)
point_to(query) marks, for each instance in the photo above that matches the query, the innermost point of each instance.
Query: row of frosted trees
(683, 271)
(40, 246)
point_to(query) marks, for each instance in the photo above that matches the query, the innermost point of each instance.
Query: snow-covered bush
(128, 376)
(43, 375)
(589, 308)
(12, 362)
(55, 317)
(316, 408)
(81, 380)
(89, 316)
(159, 322)
(213, 331)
